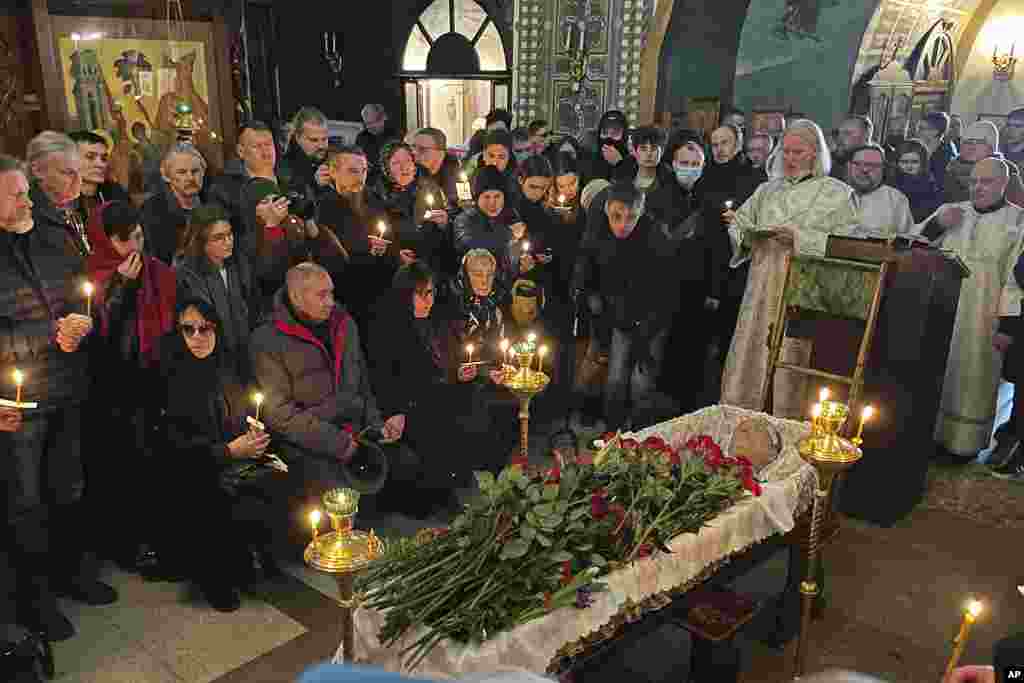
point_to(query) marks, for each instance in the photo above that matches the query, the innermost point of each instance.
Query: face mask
(687, 175)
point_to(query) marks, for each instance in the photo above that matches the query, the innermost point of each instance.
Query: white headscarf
(810, 132)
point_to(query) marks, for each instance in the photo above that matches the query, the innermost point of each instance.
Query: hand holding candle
(505, 352)
(824, 394)
(88, 289)
(19, 379)
(430, 207)
(972, 611)
(258, 399)
(469, 353)
(526, 247)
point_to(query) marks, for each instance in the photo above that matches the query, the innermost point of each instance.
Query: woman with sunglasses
(212, 269)
(234, 492)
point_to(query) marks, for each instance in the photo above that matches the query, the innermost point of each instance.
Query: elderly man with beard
(854, 132)
(793, 213)
(55, 166)
(884, 211)
(40, 463)
(303, 168)
(979, 141)
(96, 189)
(987, 233)
(257, 155)
(164, 216)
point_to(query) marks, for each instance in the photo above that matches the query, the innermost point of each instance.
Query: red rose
(644, 550)
(566, 573)
(554, 475)
(630, 444)
(674, 458)
(607, 436)
(585, 459)
(348, 429)
(520, 461)
(654, 443)
(598, 505)
(617, 510)
(743, 461)
(751, 484)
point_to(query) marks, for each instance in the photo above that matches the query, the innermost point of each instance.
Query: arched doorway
(455, 69)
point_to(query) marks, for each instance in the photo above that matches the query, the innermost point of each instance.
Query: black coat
(924, 193)
(403, 211)
(46, 215)
(226, 191)
(163, 222)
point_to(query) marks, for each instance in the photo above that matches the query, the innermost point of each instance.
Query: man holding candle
(40, 464)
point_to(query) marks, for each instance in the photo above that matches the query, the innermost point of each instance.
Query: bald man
(986, 232)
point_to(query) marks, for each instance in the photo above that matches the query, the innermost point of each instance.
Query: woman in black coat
(913, 177)
(408, 357)
(234, 493)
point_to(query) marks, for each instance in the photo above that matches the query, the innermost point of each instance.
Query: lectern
(903, 374)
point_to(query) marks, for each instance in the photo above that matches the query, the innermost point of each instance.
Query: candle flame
(867, 413)
(824, 394)
(503, 345)
(531, 337)
(88, 288)
(430, 200)
(561, 199)
(18, 377)
(463, 177)
(314, 518)
(526, 246)
(975, 608)
(816, 411)
(470, 348)
(381, 227)
(258, 398)
(542, 350)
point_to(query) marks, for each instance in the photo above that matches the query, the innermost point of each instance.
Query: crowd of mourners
(302, 320)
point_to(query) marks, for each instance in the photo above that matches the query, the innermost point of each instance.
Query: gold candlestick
(343, 552)
(541, 352)
(830, 455)
(525, 383)
(972, 611)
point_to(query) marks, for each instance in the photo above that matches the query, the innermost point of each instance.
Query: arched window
(454, 37)
(454, 69)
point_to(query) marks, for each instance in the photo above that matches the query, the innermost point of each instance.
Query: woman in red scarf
(134, 303)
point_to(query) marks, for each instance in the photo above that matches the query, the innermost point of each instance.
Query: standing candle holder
(342, 552)
(830, 455)
(525, 383)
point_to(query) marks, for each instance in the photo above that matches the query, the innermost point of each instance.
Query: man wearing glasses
(430, 147)
(884, 211)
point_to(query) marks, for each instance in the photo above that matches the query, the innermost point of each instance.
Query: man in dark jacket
(377, 131)
(309, 363)
(165, 215)
(257, 155)
(56, 170)
(96, 189)
(302, 168)
(611, 152)
(625, 274)
(40, 463)
(430, 147)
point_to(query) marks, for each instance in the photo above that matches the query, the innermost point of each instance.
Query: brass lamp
(830, 455)
(343, 552)
(525, 383)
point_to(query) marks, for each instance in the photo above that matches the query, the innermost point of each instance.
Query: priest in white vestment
(795, 211)
(986, 232)
(882, 211)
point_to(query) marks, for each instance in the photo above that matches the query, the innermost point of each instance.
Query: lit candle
(824, 394)
(815, 417)
(728, 204)
(561, 200)
(532, 338)
(258, 398)
(382, 228)
(541, 352)
(430, 200)
(971, 613)
(469, 353)
(526, 247)
(504, 351)
(19, 378)
(865, 415)
(314, 520)
(463, 177)
(88, 289)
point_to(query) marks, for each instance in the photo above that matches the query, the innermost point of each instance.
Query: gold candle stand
(524, 383)
(830, 455)
(342, 552)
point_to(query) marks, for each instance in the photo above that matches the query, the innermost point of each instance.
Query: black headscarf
(480, 314)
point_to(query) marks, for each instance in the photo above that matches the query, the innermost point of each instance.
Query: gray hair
(809, 132)
(9, 163)
(47, 143)
(182, 148)
(480, 255)
(372, 109)
(300, 275)
(307, 115)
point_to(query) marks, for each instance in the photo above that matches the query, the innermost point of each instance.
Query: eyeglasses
(190, 330)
